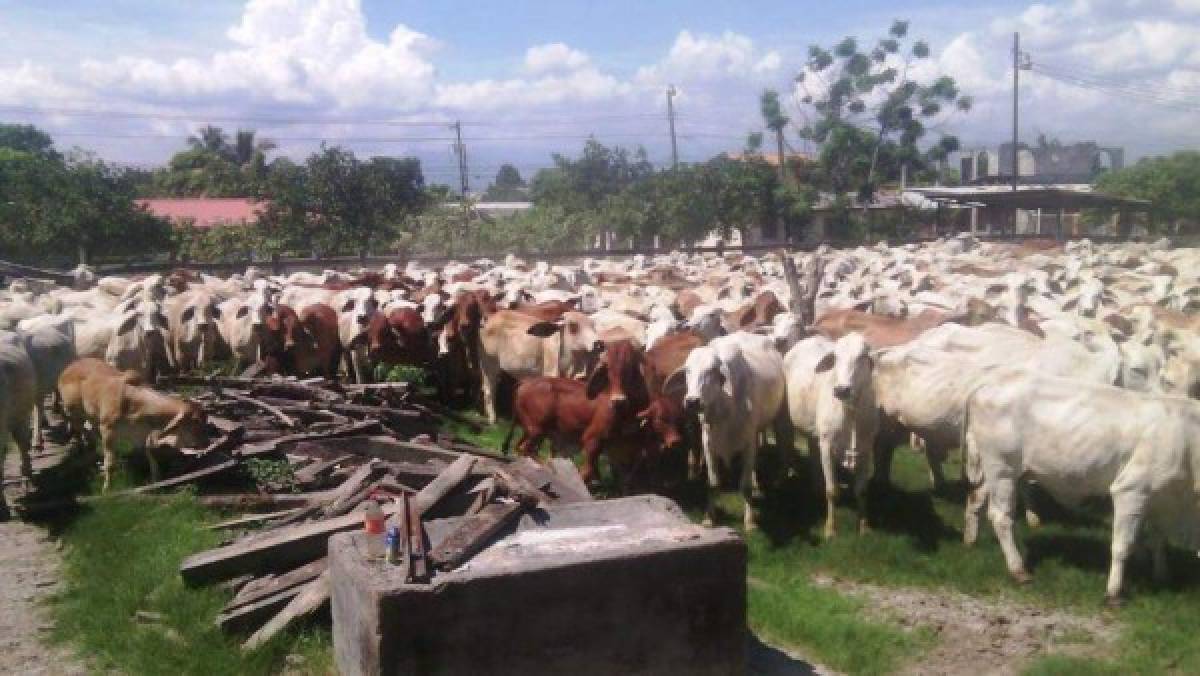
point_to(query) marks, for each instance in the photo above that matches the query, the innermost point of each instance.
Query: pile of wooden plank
(343, 445)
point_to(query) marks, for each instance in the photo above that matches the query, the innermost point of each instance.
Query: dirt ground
(981, 636)
(29, 574)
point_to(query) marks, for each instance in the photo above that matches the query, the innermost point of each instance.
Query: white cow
(193, 318)
(736, 385)
(133, 341)
(51, 347)
(242, 324)
(355, 308)
(831, 401)
(18, 394)
(1080, 440)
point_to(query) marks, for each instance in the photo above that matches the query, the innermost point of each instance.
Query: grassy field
(122, 557)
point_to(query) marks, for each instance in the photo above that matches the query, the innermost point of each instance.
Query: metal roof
(1031, 197)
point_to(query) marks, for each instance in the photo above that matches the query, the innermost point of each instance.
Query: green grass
(122, 556)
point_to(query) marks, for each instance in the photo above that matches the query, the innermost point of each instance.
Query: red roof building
(205, 212)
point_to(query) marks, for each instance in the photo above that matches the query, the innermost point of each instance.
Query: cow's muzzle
(842, 392)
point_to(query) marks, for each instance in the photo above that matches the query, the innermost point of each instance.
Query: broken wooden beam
(446, 481)
(473, 533)
(280, 549)
(182, 479)
(314, 595)
(257, 403)
(263, 597)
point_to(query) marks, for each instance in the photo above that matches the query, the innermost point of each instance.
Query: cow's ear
(160, 320)
(598, 382)
(348, 305)
(442, 319)
(865, 306)
(826, 363)
(188, 313)
(127, 325)
(675, 383)
(544, 329)
(1070, 305)
(216, 312)
(995, 289)
(242, 311)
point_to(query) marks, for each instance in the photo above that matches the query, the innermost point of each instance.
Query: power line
(1137, 92)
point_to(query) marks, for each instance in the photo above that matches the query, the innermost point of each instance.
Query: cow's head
(199, 317)
(188, 429)
(851, 363)
(357, 307)
(708, 380)
(284, 331)
(146, 324)
(619, 373)
(663, 418)
(580, 346)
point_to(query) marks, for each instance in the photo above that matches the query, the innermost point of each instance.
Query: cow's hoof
(1022, 577)
(1114, 602)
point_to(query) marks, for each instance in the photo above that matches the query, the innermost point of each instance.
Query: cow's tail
(972, 463)
(512, 428)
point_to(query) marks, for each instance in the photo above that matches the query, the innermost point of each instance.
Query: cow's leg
(883, 452)
(39, 423)
(110, 456)
(935, 455)
(1031, 517)
(1129, 508)
(749, 486)
(488, 379)
(829, 477)
(1001, 506)
(591, 452)
(862, 480)
(714, 479)
(23, 436)
(976, 502)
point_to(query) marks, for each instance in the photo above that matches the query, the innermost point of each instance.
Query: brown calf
(400, 337)
(303, 344)
(611, 412)
(127, 414)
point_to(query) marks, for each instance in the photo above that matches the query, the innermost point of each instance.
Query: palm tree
(211, 139)
(245, 148)
(776, 121)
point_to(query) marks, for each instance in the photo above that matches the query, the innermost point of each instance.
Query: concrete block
(625, 586)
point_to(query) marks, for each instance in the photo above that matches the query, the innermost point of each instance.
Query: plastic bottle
(373, 526)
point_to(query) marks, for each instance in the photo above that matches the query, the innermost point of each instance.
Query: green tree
(507, 187)
(29, 139)
(1171, 184)
(869, 112)
(776, 121)
(337, 203)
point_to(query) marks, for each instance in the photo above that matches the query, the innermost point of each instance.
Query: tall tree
(776, 121)
(870, 109)
(29, 139)
(507, 186)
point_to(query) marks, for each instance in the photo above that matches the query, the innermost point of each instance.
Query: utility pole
(461, 151)
(1016, 82)
(671, 121)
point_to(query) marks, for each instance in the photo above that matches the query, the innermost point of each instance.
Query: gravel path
(29, 574)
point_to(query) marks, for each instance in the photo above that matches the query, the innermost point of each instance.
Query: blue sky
(531, 78)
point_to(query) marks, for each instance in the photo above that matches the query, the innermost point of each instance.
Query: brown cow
(126, 414)
(548, 311)
(611, 412)
(759, 312)
(400, 337)
(303, 344)
(879, 331)
(457, 331)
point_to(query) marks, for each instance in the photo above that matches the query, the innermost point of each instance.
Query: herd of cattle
(1069, 366)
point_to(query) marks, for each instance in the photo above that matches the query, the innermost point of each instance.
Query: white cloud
(29, 82)
(289, 51)
(553, 57)
(709, 57)
(581, 86)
